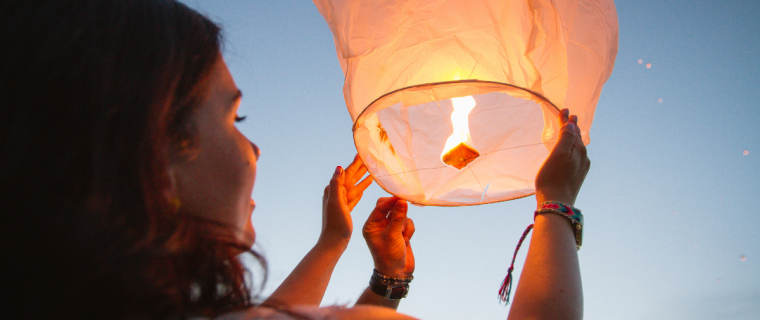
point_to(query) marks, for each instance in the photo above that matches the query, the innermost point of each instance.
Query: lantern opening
(417, 141)
(458, 151)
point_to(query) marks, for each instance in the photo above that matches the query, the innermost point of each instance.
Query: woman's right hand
(387, 232)
(563, 172)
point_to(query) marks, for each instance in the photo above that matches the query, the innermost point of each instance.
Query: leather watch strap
(388, 292)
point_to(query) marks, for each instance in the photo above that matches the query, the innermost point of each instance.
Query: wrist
(334, 244)
(569, 213)
(391, 271)
(542, 197)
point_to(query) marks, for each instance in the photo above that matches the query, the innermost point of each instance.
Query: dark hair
(91, 93)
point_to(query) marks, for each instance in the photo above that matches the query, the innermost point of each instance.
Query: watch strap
(387, 291)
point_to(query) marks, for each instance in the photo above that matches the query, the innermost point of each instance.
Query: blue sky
(670, 202)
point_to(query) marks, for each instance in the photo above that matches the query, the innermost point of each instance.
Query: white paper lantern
(455, 102)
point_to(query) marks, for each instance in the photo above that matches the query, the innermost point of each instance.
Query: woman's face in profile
(217, 182)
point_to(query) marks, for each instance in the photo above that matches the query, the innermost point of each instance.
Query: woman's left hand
(388, 232)
(340, 197)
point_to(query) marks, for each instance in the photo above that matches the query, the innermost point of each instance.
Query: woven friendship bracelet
(506, 285)
(556, 207)
(560, 208)
(570, 212)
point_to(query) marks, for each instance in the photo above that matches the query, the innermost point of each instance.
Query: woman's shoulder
(315, 313)
(367, 312)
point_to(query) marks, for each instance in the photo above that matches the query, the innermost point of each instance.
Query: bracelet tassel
(506, 286)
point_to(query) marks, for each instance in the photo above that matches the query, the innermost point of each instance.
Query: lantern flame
(458, 151)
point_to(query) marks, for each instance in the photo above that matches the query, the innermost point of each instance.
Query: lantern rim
(359, 123)
(542, 97)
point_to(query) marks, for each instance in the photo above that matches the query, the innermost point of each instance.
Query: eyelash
(239, 118)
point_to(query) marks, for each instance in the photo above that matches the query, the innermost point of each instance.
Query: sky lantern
(456, 102)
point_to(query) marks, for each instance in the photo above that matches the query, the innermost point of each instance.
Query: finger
(382, 199)
(359, 173)
(566, 139)
(408, 230)
(409, 259)
(579, 146)
(355, 164)
(354, 200)
(336, 184)
(356, 192)
(563, 116)
(574, 120)
(381, 209)
(364, 184)
(398, 217)
(325, 196)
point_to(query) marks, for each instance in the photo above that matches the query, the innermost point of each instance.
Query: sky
(671, 205)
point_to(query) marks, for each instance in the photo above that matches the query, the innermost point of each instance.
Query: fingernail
(570, 126)
(338, 170)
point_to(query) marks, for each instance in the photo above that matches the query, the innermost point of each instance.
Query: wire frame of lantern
(456, 102)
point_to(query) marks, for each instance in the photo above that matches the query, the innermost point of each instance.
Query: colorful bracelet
(573, 213)
(570, 212)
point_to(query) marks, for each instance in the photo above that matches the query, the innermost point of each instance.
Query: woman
(127, 185)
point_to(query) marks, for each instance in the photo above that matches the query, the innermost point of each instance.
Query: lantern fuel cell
(477, 86)
(459, 156)
(457, 153)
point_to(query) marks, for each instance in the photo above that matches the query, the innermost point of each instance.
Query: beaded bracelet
(388, 287)
(390, 280)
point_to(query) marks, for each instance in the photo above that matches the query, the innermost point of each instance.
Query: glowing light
(718, 279)
(746, 152)
(675, 213)
(659, 100)
(743, 258)
(641, 61)
(696, 247)
(649, 65)
(458, 151)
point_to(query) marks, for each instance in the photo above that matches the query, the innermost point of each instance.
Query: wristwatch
(389, 291)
